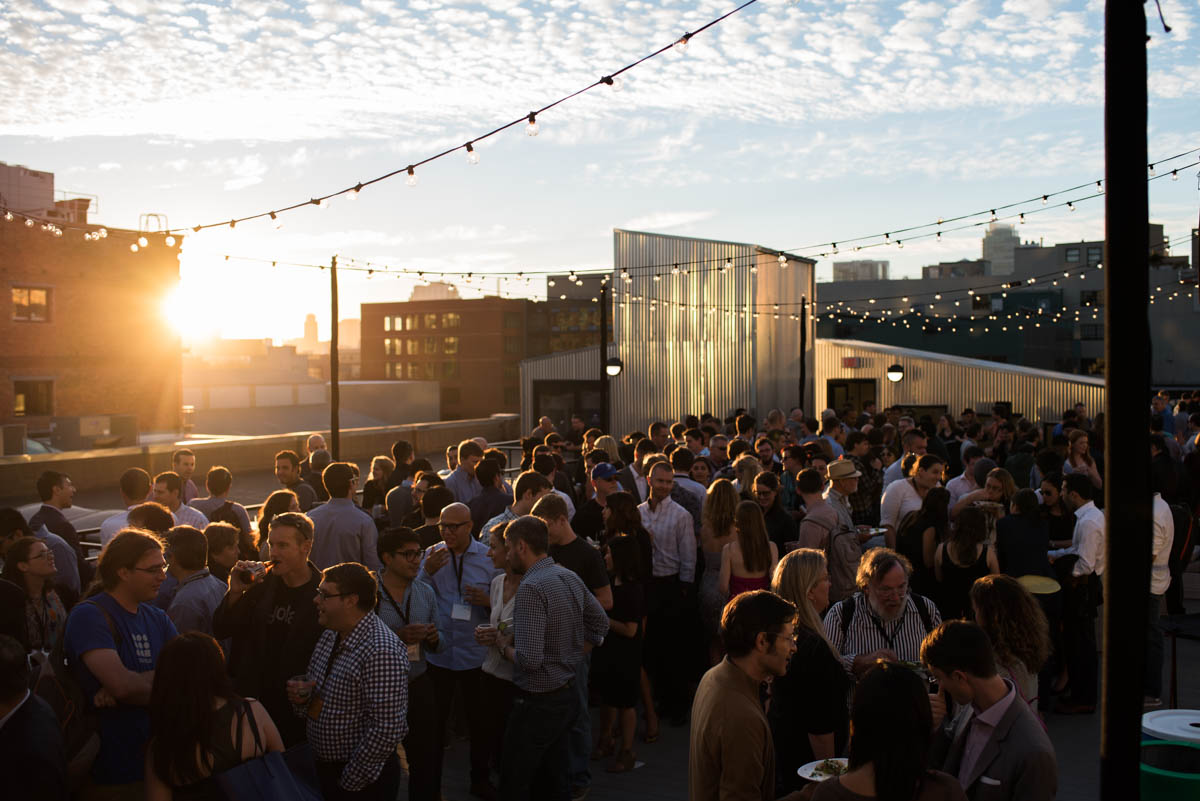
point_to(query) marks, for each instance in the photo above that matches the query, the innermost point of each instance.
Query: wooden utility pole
(335, 444)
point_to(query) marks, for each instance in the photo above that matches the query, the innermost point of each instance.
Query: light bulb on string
(472, 154)
(1070, 206)
(353, 193)
(1099, 187)
(133, 248)
(142, 241)
(782, 260)
(1174, 175)
(411, 180)
(58, 232)
(28, 223)
(1152, 172)
(1045, 199)
(169, 241)
(532, 129)
(8, 216)
(682, 45)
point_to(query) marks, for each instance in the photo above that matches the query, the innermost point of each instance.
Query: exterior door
(856, 392)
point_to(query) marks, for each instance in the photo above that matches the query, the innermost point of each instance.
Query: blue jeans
(580, 741)
(536, 763)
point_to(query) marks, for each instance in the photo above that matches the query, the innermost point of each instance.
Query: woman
(196, 720)
(1023, 538)
(375, 490)
(945, 430)
(30, 565)
(747, 561)
(997, 489)
(908, 494)
(496, 687)
(920, 534)
(617, 663)
(1018, 628)
(745, 468)
(808, 714)
(1079, 458)
(962, 559)
(889, 750)
(716, 531)
(610, 446)
(702, 471)
(277, 502)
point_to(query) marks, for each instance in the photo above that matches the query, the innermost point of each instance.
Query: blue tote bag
(263, 778)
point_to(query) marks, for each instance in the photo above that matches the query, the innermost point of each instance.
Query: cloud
(244, 172)
(663, 220)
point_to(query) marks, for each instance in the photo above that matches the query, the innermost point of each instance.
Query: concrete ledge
(98, 469)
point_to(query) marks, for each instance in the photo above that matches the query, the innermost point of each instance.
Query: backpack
(919, 601)
(56, 684)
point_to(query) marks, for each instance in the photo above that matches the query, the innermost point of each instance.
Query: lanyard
(333, 655)
(890, 639)
(407, 604)
(459, 566)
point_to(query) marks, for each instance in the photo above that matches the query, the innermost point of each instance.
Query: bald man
(316, 442)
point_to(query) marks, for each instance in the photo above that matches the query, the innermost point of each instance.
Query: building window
(430, 371)
(512, 396)
(1094, 254)
(431, 345)
(431, 321)
(451, 395)
(387, 323)
(387, 346)
(981, 302)
(389, 369)
(30, 304)
(411, 347)
(449, 369)
(1092, 297)
(512, 345)
(33, 398)
(1073, 255)
(512, 373)
(512, 320)
(1091, 331)
(451, 320)
(450, 345)
(413, 371)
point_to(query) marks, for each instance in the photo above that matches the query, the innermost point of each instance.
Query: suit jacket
(1017, 762)
(628, 482)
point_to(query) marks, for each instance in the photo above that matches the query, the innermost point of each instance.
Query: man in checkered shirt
(357, 691)
(555, 619)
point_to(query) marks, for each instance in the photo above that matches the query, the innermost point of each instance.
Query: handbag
(262, 778)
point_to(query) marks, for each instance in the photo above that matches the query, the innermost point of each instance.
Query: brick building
(83, 328)
(473, 346)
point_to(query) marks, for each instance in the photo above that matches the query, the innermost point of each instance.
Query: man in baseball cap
(588, 521)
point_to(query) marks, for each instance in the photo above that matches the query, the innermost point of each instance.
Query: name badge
(461, 611)
(314, 707)
(414, 652)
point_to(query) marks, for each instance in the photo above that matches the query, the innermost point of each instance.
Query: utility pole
(334, 392)
(604, 295)
(803, 351)
(1127, 354)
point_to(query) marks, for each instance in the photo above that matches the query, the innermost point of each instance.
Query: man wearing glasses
(113, 641)
(460, 572)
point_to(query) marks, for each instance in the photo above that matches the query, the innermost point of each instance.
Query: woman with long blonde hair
(1079, 458)
(609, 446)
(808, 712)
(745, 468)
(747, 561)
(716, 531)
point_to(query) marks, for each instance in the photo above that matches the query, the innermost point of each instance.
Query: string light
(532, 128)
(682, 44)
(411, 180)
(472, 154)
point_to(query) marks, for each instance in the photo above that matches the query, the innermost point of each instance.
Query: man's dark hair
(530, 481)
(151, 516)
(393, 539)
(682, 460)
(744, 424)
(1081, 484)
(544, 464)
(187, 547)
(751, 614)
(171, 479)
(593, 434)
(693, 433)
(179, 454)
(337, 479)
(123, 552)
(972, 453)
(530, 530)
(401, 450)
(552, 439)
(352, 578)
(909, 440)
(47, 482)
(435, 500)
(737, 447)
(657, 427)
(290, 456)
(959, 645)
(218, 481)
(319, 459)
(221, 535)
(691, 421)
(1156, 423)
(853, 438)
(468, 448)
(486, 472)
(809, 481)
(14, 669)
(135, 483)
(496, 455)
(677, 430)
(794, 452)
(642, 447)
(301, 522)
(973, 430)
(1070, 414)
(420, 464)
(550, 506)
(767, 480)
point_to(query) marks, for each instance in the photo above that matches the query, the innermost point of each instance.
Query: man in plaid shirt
(356, 693)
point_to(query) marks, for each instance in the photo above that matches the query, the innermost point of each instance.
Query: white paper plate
(807, 771)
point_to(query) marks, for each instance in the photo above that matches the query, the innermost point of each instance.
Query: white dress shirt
(674, 536)
(1164, 538)
(1087, 542)
(188, 516)
(898, 500)
(960, 486)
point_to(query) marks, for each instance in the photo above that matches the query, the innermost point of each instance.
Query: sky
(788, 125)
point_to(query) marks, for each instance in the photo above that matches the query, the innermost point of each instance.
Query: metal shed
(850, 370)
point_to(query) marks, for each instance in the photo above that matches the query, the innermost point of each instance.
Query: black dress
(910, 543)
(1021, 546)
(616, 670)
(811, 698)
(953, 594)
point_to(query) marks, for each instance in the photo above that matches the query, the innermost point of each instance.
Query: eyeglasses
(410, 555)
(326, 594)
(892, 592)
(765, 493)
(155, 570)
(452, 526)
(789, 637)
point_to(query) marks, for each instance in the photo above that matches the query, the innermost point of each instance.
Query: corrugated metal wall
(571, 365)
(711, 359)
(935, 379)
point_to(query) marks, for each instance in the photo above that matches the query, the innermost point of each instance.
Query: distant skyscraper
(860, 270)
(999, 244)
(310, 329)
(436, 290)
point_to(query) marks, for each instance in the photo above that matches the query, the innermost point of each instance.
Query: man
(632, 478)
(585, 562)
(545, 465)
(545, 426)
(669, 593)
(451, 462)
(460, 572)
(1164, 469)
(135, 486)
(315, 443)
(1160, 581)
(1192, 439)
(168, 491)
(833, 433)
(409, 608)
(357, 700)
(1080, 570)
(432, 504)
(556, 620)
(287, 471)
(681, 462)
(844, 548)
(718, 451)
(343, 532)
(574, 437)
(1158, 406)
(864, 503)
(589, 519)
(403, 457)
(693, 440)
(781, 528)
(963, 484)
(913, 442)
(659, 434)
(218, 482)
(820, 518)
(744, 425)
(222, 541)
(1000, 751)
(30, 738)
(528, 490)
(732, 753)
(272, 622)
(883, 620)
(57, 492)
(765, 451)
(789, 496)
(403, 501)
(112, 642)
(462, 481)
(198, 593)
(492, 500)
(318, 460)
(183, 462)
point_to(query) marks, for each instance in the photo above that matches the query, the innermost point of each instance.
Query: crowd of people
(904, 593)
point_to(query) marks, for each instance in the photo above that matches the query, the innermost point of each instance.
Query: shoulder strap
(845, 618)
(242, 709)
(922, 605)
(112, 625)
(249, 712)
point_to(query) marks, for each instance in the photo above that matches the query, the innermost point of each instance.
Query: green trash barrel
(1170, 770)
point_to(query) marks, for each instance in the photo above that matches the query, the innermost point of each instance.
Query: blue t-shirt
(125, 728)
